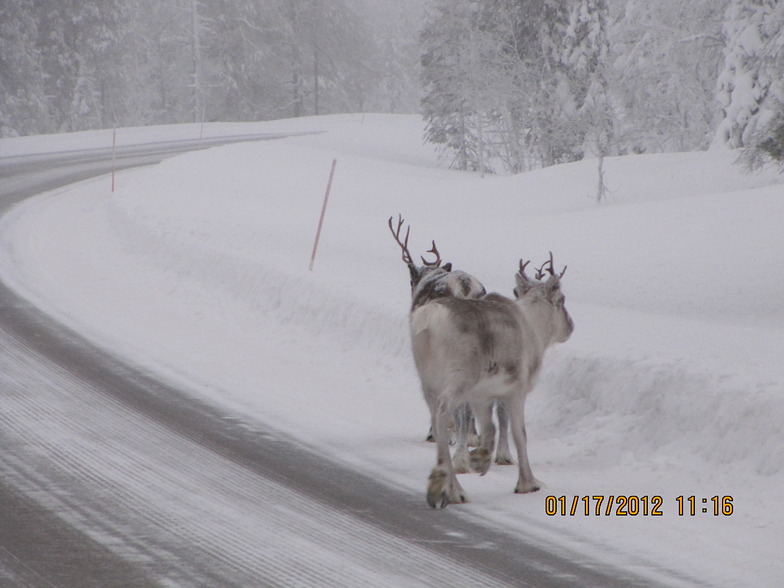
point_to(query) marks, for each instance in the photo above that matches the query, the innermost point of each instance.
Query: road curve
(109, 477)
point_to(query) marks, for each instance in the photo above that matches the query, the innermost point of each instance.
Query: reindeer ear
(447, 266)
(523, 285)
(552, 285)
(416, 275)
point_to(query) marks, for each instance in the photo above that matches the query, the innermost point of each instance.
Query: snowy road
(110, 478)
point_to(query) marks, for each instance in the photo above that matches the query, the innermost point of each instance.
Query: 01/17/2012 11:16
(632, 505)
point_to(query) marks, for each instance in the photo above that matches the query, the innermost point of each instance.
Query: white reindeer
(479, 351)
(431, 281)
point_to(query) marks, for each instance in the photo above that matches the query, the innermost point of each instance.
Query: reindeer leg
(473, 436)
(443, 487)
(526, 481)
(502, 455)
(482, 456)
(433, 407)
(460, 459)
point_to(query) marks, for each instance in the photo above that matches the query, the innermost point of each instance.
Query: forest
(504, 86)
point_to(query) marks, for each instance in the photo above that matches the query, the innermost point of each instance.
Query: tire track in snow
(179, 510)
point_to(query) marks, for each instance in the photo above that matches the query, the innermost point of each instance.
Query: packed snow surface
(672, 384)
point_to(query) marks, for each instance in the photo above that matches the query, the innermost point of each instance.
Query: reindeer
(481, 350)
(432, 281)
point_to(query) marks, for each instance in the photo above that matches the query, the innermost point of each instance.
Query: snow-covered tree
(393, 68)
(445, 107)
(23, 107)
(327, 49)
(665, 57)
(585, 56)
(750, 84)
(520, 83)
(157, 84)
(74, 38)
(574, 111)
(231, 39)
(77, 64)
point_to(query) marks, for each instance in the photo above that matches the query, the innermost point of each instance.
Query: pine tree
(445, 108)
(575, 107)
(665, 57)
(516, 83)
(74, 38)
(586, 55)
(393, 68)
(23, 108)
(162, 40)
(750, 87)
(78, 64)
(773, 144)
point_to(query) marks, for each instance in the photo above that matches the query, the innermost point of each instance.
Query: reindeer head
(427, 267)
(543, 300)
(432, 280)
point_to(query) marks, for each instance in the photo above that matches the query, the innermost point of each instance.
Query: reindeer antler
(407, 259)
(403, 244)
(521, 271)
(540, 269)
(550, 269)
(547, 266)
(437, 262)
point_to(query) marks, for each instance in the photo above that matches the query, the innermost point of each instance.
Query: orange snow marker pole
(323, 211)
(114, 158)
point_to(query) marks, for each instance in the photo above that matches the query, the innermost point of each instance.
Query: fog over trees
(504, 85)
(69, 65)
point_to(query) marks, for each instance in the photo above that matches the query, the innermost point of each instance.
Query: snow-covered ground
(672, 384)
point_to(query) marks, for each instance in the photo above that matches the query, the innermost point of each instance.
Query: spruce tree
(448, 115)
(23, 108)
(750, 86)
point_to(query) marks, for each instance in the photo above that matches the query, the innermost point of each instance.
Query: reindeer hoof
(504, 460)
(526, 488)
(436, 488)
(480, 460)
(437, 500)
(457, 496)
(440, 492)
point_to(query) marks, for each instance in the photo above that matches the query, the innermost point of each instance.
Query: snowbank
(672, 384)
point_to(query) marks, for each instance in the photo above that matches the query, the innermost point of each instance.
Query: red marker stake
(114, 159)
(323, 211)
